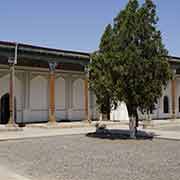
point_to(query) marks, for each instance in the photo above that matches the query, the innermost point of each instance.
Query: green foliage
(131, 64)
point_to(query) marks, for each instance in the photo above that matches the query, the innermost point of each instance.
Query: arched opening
(4, 109)
(60, 93)
(38, 90)
(166, 104)
(78, 94)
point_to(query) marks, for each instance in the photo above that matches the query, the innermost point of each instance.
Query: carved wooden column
(12, 61)
(52, 117)
(11, 95)
(86, 98)
(173, 94)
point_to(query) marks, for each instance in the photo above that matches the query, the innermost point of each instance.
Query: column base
(88, 121)
(52, 119)
(173, 117)
(11, 123)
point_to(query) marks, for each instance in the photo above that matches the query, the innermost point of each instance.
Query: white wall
(177, 97)
(120, 113)
(39, 98)
(60, 98)
(4, 88)
(93, 107)
(166, 92)
(78, 112)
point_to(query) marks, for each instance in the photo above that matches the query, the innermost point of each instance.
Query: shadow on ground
(115, 134)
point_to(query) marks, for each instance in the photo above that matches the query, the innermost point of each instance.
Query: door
(4, 109)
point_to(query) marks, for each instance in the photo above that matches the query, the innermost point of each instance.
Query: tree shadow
(121, 134)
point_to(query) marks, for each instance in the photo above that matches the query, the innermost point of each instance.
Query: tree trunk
(103, 117)
(104, 113)
(133, 121)
(137, 123)
(132, 127)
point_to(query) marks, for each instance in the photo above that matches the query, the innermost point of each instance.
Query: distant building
(168, 106)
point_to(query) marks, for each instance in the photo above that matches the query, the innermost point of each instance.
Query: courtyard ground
(79, 157)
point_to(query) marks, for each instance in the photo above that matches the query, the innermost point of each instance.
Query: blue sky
(77, 25)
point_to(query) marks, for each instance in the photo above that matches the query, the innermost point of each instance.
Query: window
(166, 104)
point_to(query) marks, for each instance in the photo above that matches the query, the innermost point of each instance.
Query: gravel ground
(84, 158)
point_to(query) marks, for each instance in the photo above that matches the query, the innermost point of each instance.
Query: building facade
(50, 85)
(168, 106)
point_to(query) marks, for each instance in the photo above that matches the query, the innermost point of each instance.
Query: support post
(173, 94)
(52, 118)
(11, 95)
(12, 61)
(86, 99)
(86, 96)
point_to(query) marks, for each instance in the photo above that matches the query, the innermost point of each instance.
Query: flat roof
(53, 51)
(58, 52)
(174, 59)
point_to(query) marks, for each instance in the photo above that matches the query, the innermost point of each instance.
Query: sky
(77, 24)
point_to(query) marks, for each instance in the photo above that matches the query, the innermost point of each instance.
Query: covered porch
(49, 85)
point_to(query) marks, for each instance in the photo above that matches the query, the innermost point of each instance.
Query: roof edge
(41, 48)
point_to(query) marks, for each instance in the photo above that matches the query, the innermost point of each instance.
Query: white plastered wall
(120, 113)
(4, 84)
(32, 95)
(78, 112)
(94, 114)
(39, 99)
(60, 98)
(177, 97)
(166, 92)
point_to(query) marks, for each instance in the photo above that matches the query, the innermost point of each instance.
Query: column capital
(52, 66)
(173, 74)
(11, 60)
(86, 70)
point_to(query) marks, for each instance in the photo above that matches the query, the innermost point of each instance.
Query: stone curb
(167, 138)
(67, 126)
(12, 129)
(6, 174)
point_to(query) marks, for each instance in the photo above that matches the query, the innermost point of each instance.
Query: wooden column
(11, 95)
(86, 100)
(173, 93)
(52, 117)
(12, 105)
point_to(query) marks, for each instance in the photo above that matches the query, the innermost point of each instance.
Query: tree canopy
(131, 64)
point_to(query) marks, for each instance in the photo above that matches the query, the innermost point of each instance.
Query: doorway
(4, 109)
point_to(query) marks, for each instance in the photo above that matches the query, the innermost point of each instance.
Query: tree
(137, 59)
(100, 83)
(143, 56)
